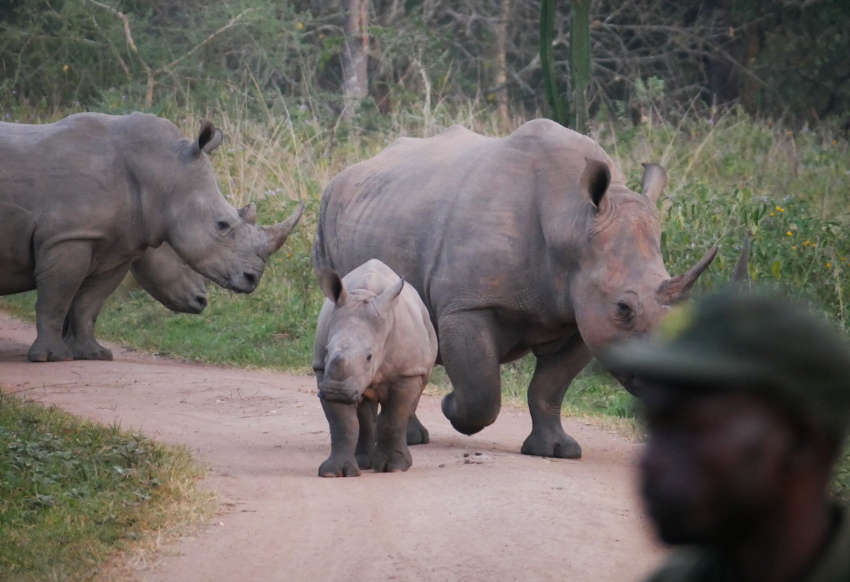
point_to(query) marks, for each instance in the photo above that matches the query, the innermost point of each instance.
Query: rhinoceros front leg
(367, 413)
(392, 453)
(342, 419)
(417, 434)
(470, 352)
(552, 377)
(83, 313)
(59, 272)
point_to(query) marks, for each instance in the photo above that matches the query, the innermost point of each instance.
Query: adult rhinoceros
(83, 198)
(531, 242)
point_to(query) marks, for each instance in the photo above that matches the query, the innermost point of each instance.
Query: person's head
(747, 400)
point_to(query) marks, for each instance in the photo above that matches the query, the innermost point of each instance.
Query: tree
(355, 55)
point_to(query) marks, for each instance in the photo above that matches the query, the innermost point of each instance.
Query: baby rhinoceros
(375, 344)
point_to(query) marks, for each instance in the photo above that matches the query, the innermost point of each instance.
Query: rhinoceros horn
(741, 274)
(679, 287)
(274, 236)
(653, 181)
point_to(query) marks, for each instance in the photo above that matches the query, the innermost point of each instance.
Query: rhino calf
(375, 344)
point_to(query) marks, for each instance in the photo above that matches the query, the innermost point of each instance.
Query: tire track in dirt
(498, 516)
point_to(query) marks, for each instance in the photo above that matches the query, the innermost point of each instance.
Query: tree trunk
(502, 74)
(580, 61)
(355, 55)
(560, 106)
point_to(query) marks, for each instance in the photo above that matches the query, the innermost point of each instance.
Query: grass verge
(76, 495)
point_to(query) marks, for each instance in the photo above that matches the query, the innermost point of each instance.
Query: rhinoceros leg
(366, 416)
(471, 354)
(59, 272)
(417, 434)
(392, 453)
(552, 377)
(342, 419)
(83, 313)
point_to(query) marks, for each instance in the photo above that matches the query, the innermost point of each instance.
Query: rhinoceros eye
(369, 358)
(223, 225)
(625, 311)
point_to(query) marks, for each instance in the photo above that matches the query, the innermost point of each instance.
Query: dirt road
(497, 516)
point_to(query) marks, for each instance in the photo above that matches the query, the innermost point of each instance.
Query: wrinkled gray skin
(81, 199)
(374, 345)
(528, 243)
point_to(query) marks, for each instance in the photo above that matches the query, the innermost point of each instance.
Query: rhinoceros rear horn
(595, 180)
(276, 235)
(679, 287)
(248, 213)
(331, 285)
(653, 181)
(209, 138)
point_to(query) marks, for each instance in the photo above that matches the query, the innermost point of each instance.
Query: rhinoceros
(375, 344)
(527, 243)
(81, 199)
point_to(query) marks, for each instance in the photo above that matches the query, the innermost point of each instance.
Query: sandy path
(498, 516)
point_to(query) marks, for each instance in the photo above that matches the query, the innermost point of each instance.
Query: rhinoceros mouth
(333, 391)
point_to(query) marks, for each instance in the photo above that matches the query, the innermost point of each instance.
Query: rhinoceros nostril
(202, 300)
(250, 278)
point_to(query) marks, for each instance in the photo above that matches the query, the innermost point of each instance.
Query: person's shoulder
(685, 565)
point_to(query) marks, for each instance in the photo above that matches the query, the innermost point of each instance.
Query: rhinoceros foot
(552, 443)
(55, 351)
(89, 351)
(389, 461)
(364, 460)
(339, 467)
(416, 433)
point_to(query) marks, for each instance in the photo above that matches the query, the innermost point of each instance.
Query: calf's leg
(471, 353)
(342, 419)
(552, 377)
(392, 453)
(59, 272)
(83, 314)
(366, 415)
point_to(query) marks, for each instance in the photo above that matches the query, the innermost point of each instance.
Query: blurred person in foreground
(747, 403)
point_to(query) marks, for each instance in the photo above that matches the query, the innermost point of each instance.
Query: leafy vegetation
(73, 493)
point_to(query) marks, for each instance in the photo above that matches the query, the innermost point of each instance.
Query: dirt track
(494, 516)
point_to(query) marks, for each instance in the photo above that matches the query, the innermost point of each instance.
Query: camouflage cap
(749, 343)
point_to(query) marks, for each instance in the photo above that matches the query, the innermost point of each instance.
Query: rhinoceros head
(622, 287)
(169, 280)
(357, 334)
(209, 234)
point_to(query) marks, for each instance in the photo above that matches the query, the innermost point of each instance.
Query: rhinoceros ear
(209, 138)
(332, 287)
(385, 301)
(653, 181)
(595, 180)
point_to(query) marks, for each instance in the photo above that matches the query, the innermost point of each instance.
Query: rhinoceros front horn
(741, 274)
(274, 236)
(679, 287)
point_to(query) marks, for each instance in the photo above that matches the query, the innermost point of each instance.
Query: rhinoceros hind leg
(82, 315)
(417, 434)
(56, 351)
(552, 376)
(470, 352)
(342, 420)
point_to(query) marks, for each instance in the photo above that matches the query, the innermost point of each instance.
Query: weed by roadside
(74, 494)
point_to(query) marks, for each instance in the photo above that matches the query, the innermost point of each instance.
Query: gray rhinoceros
(528, 243)
(81, 199)
(375, 344)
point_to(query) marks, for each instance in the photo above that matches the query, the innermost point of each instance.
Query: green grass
(74, 494)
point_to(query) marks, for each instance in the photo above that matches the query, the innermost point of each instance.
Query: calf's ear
(209, 138)
(595, 180)
(331, 285)
(653, 181)
(386, 300)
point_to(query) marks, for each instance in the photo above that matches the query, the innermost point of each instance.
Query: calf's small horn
(277, 234)
(679, 287)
